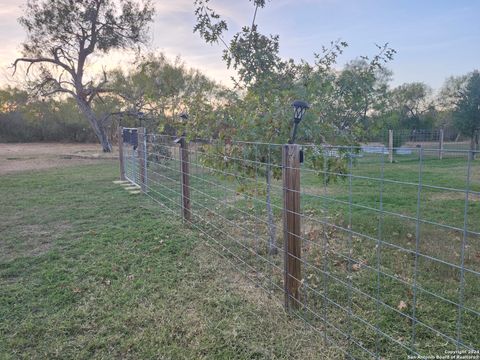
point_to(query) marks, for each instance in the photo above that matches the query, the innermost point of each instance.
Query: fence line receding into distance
(382, 259)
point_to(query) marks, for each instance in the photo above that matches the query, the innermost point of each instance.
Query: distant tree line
(26, 119)
(151, 93)
(155, 91)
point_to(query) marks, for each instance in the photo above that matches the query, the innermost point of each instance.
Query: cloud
(7, 10)
(165, 7)
(11, 35)
(171, 32)
(419, 31)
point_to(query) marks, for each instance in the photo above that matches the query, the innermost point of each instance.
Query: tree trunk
(106, 145)
(98, 128)
(272, 248)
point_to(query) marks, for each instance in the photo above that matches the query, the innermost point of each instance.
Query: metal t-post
(120, 153)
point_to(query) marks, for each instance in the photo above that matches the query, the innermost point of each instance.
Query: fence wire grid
(389, 252)
(439, 139)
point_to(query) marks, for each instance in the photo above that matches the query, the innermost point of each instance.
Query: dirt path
(37, 156)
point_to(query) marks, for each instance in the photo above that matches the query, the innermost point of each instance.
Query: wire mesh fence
(434, 139)
(382, 259)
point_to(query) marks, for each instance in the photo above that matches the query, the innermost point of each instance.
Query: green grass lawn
(90, 271)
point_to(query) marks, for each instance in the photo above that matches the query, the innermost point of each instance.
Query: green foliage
(62, 35)
(156, 87)
(340, 100)
(461, 99)
(24, 119)
(409, 106)
(467, 105)
(162, 89)
(158, 150)
(413, 104)
(54, 26)
(268, 84)
(208, 24)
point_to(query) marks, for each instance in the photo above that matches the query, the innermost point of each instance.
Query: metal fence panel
(390, 252)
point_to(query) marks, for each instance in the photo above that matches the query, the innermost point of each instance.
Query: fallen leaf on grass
(402, 305)
(357, 266)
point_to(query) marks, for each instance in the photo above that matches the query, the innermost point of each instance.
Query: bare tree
(63, 34)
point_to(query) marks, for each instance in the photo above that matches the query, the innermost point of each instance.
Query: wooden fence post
(142, 158)
(120, 153)
(185, 170)
(440, 148)
(291, 224)
(390, 146)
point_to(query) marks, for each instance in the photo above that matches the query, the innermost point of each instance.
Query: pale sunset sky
(433, 38)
